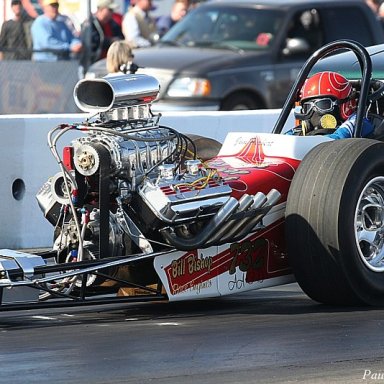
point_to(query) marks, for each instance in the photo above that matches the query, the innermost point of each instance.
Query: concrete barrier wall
(26, 162)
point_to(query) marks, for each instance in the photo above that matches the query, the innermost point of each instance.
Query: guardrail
(26, 162)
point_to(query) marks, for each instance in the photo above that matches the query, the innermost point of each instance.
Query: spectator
(15, 35)
(139, 28)
(69, 22)
(178, 11)
(120, 58)
(52, 38)
(100, 33)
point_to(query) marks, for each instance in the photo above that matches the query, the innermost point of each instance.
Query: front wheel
(335, 222)
(240, 102)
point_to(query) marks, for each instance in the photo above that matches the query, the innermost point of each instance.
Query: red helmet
(332, 85)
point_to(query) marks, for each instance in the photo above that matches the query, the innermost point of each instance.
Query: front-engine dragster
(141, 211)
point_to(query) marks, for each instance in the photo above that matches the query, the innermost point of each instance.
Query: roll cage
(370, 90)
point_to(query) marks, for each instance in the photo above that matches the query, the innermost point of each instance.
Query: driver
(328, 106)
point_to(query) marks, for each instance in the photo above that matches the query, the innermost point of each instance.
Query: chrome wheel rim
(369, 225)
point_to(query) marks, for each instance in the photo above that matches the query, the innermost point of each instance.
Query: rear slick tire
(335, 223)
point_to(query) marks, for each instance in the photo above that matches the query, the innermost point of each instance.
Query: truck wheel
(239, 102)
(335, 223)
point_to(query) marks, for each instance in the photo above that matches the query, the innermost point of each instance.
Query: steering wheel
(378, 87)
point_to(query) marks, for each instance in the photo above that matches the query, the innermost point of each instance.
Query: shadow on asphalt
(283, 300)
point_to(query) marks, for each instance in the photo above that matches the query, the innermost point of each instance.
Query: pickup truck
(246, 54)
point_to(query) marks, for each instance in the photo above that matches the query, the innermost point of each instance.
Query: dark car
(230, 55)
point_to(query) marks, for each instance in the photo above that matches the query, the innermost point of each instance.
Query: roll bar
(366, 72)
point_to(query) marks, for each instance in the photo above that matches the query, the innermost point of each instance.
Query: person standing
(100, 32)
(178, 11)
(15, 35)
(139, 27)
(52, 39)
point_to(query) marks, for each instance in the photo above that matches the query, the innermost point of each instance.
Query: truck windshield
(226, 27)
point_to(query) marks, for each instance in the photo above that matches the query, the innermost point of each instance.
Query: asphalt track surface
(274, 335)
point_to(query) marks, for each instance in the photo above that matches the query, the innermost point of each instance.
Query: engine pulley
(86, 160)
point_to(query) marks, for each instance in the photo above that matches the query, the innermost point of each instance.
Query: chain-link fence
(29, 86)
(37, 87)
(35, 79)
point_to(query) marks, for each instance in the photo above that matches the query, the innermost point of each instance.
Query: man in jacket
(52, 38)
(139, 27)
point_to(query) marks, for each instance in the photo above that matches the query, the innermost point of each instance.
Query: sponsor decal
(196, 269)
(189, 271)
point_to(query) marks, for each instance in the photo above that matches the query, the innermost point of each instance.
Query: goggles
(325, 104)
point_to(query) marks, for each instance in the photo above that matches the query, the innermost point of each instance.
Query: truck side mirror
(296, 46)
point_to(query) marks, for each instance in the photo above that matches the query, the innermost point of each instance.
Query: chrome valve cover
(183, 198)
